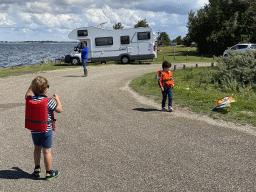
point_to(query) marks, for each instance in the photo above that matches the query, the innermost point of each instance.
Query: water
(17, 54)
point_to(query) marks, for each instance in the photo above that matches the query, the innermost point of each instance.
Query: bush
(237, 70)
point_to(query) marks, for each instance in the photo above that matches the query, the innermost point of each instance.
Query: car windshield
(78, 47)
(253, 46)
(242, 46)
(234, 47)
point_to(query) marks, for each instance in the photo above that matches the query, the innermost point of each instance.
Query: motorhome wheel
(125, 60)
(67, 58)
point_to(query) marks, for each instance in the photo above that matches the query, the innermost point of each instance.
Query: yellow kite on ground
(224, 102)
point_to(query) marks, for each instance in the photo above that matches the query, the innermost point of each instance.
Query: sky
(53, 20)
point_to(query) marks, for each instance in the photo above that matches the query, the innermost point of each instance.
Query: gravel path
(109, 138)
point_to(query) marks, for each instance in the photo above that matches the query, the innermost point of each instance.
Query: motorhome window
(82, 33)
(102, 41)
(125, 39)
(143, 35)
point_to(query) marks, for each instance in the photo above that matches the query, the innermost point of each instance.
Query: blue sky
(30, 20)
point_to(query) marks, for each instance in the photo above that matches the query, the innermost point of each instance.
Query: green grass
(201, 95)
(22, 70)
(182, 55)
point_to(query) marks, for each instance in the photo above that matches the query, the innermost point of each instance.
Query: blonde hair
(39, 85)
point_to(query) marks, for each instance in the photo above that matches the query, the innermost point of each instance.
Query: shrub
(237, 70)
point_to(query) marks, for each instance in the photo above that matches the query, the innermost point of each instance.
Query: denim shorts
(43, 139)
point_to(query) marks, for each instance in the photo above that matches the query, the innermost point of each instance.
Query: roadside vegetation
(22, 70)
(197, 89)
(181, 54)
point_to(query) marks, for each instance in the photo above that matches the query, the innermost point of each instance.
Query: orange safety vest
(158, 75)
(167, 79)
(36, 116)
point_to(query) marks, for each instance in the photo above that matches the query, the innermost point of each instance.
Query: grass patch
(182, 55)
(194, 91)
(22, 70)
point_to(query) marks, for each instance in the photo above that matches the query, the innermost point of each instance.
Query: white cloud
(201, 3)
(6, 21)
(46, 17)
(26, 30)
(125, 16)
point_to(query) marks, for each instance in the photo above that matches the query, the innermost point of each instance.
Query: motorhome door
(144, 43)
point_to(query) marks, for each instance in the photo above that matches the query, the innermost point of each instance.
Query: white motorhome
(123, 45)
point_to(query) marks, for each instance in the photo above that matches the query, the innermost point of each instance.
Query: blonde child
(40, 120)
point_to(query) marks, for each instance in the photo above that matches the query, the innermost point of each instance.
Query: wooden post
(174, 53)
(196, 65)
(174, 67)
(184, 66)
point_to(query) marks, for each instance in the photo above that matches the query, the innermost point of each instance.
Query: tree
(178, 40)
(186, 41)
(118, 26)
(165, 39)
(142, 23)
(221, 24)
(251, 15)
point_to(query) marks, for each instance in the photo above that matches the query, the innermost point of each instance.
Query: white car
(240, 47)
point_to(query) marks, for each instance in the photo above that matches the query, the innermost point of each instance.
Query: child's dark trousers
(167, 92)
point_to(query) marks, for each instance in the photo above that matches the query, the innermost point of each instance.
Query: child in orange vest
(166, 84)
(39, 119)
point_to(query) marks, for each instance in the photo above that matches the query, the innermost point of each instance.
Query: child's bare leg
(37, 155)
(47, 158)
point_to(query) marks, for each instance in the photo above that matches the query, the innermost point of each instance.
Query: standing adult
(84, 56)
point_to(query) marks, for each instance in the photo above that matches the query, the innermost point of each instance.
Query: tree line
(222, 24)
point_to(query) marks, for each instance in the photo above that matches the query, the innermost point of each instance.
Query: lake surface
(31, 53)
